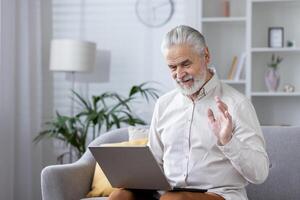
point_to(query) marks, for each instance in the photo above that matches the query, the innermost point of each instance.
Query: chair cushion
(100, 185)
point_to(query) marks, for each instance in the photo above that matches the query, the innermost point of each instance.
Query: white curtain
(21, 101)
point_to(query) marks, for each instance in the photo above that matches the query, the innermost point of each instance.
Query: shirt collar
(212, 83)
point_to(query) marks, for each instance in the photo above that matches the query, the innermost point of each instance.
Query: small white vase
(272, 79)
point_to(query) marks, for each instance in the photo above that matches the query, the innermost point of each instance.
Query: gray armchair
(73, 181)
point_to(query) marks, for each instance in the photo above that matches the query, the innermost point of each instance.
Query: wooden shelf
(272, 94)
(263, 1)
(267, 49)
(233, 81)
(224, 19)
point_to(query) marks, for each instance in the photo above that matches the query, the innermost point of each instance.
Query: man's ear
(206, 55)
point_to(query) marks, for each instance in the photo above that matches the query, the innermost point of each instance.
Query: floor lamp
(71, 56)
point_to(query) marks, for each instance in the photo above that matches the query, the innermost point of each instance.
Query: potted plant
(102, 113)
(272, 76)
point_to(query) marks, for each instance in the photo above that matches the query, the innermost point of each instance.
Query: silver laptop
(133, 168)
(130, 167)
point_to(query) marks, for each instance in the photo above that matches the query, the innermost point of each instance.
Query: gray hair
(184, 35)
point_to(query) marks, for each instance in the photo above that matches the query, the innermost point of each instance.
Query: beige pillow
(101, 186)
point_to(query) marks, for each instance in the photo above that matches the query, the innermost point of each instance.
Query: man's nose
(180, 73)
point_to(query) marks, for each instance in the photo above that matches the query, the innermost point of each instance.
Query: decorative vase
(272, 79)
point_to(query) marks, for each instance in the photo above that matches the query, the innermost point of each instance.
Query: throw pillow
(137, 132)
(100, 185)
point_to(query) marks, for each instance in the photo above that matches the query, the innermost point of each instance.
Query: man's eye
(186, 64)
(172, 68)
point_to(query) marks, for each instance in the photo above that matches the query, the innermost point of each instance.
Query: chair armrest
(69, 181)
(73, 181)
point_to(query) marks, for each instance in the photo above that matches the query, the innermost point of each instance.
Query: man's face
(188, 69)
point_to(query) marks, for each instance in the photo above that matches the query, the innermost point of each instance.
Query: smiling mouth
(184, 82)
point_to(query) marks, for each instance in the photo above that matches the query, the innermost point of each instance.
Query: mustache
(185, 78)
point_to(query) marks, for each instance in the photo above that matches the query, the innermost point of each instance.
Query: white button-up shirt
(187, 150)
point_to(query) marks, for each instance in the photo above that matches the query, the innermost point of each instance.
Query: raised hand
(221, 125)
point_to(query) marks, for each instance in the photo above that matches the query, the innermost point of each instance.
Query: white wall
(133, 49)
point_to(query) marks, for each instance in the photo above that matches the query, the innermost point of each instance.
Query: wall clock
(154, 13)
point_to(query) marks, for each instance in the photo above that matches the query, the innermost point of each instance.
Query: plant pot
(272, 79)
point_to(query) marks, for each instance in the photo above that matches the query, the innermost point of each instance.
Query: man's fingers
(220, 102)
(222, 110)
(228, 116)
(210, 116)
(221, 106)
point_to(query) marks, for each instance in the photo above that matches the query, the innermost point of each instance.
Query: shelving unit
(246, 30)
(224, 19)
(223, 31)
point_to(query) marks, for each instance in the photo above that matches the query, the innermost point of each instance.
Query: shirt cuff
(232, 148)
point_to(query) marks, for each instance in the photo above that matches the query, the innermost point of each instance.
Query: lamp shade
(72, 55)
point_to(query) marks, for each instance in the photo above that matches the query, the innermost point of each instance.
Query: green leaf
(133, 90)
(86, 103)
(116, 120)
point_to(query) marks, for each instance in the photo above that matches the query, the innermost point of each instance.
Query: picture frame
(276, 37)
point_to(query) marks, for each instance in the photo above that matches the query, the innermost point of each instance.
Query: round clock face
(154, 13)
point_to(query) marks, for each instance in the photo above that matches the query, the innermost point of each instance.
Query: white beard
(198, 83)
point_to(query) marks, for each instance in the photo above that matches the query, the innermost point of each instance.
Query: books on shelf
(232, 68)
(240, 66)
(237, 67)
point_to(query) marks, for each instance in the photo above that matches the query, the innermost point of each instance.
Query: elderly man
(204, 134)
